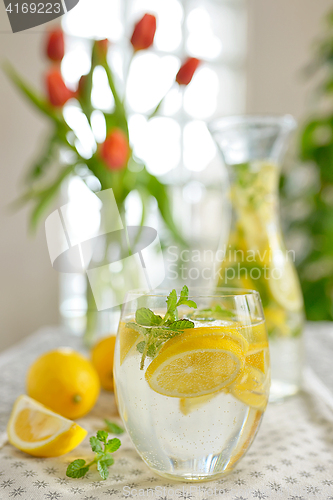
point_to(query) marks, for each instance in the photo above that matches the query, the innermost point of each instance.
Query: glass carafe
(255, 256)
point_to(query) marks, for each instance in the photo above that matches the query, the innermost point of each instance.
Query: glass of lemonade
(192, 377)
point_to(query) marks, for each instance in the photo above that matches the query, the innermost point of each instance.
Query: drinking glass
(192, 395)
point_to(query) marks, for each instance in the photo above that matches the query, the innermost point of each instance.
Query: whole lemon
(64, 381)
(102, 359)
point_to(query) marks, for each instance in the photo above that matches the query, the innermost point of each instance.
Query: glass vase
(255, 256)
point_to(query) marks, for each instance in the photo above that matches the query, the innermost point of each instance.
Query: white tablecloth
(291, 458)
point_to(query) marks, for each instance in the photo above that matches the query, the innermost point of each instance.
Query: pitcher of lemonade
(255, 256)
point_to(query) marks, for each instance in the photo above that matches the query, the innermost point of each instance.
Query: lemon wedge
(192, 365)
(36, 430)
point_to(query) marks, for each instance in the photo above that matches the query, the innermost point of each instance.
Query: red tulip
(144, 32)
(115, 150)
(55, 45)
(186, 71)
(58, 93)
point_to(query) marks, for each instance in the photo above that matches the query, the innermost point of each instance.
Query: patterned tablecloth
(291, 458)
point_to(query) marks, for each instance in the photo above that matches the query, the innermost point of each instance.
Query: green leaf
(113, 427)
(146, 317)
(77, 468)
(172, 303)
(159, 192)
(181, 324)
(112, 445)
(103, 469)
(45, 159)
(108, 460)
(47, 196)
(95, 444)
(152, 350)
(41, 104)
(102, 436)
(187, 302)
(141, 346)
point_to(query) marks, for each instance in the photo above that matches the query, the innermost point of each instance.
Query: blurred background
(255, 52)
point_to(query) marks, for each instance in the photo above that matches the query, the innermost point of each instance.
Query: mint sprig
(103, 447)
(157, 330)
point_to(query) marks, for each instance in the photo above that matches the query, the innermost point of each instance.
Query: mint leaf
(112, 445)
(162, 329)
(77, 468)
(181, 324)
(186, 302)
(146, 317)
(141, 346)
(95, 444)
(103, 457)
(113, 427)
(102, 469)
(171, 304)
(102, 436)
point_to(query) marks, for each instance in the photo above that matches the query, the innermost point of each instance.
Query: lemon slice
(285, 288)
(222, 331)
(190, 366)
(252, 388)
(188, 405)
(257, 356)
(35, 429)
(128, 338)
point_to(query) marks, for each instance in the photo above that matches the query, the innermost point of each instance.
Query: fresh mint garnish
(113, 428)
(103, 447)
(157, 330)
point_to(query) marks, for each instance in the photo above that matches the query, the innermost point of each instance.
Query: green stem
(144, 354)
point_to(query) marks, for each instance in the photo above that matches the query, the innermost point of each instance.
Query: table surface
(291, 458)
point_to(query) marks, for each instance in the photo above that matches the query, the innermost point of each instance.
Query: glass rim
(223, 123)
(226, 292)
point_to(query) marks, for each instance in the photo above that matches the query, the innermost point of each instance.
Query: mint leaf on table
(103, 447)
(157, 330)
(95, 444)
(112, 445)
(102, 436)
(77, 468)
(113, 427)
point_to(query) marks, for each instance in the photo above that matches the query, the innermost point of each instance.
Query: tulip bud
(186, 71)
(115, 150)
(55, 45)
(144, 32)
(102, 48)
(58, 93)
(81, 88)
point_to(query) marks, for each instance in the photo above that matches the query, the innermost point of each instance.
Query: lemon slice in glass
(36, 430)
(128, 338)
(252, 388)
(194, 365)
